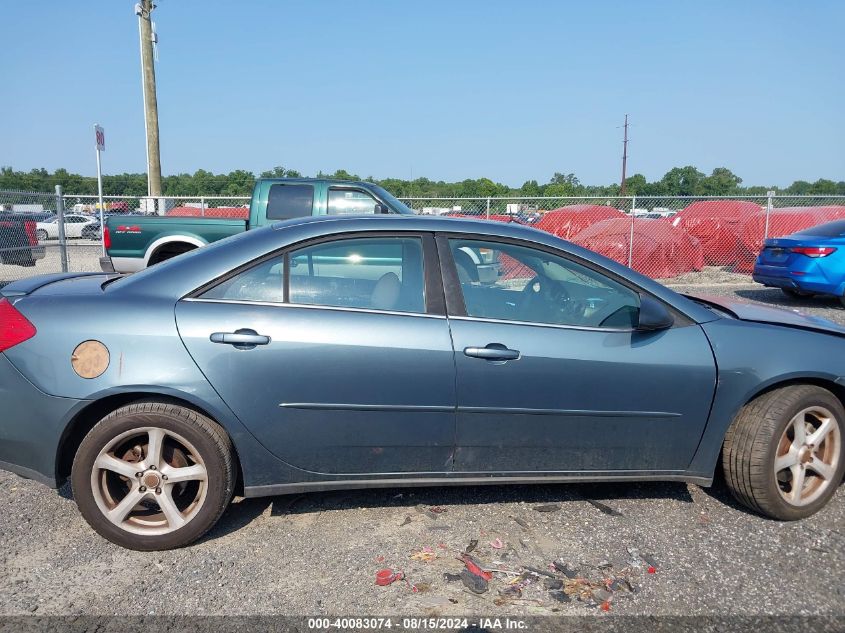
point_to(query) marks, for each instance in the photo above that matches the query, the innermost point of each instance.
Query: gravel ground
(318, 554)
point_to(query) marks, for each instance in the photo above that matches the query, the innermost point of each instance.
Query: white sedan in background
(74, 223)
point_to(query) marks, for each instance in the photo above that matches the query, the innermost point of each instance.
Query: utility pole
(624, 156)
(143, 10)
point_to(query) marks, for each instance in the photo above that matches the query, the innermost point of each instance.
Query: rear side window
(375, 273)
(263, 282)
(829, 229)
(289, 201)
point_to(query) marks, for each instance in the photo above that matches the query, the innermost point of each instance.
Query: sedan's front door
(348, 374)
(552, 377)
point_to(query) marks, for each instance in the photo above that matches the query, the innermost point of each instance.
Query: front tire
(783, 454)
(153, 476)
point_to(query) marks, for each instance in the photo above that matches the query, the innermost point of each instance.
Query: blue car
(353, 352)
(806, 263)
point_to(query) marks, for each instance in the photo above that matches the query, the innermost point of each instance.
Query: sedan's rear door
(336, 354)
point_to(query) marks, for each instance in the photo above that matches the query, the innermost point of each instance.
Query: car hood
(747, 311)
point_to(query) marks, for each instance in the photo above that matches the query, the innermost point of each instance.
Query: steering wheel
(545, 300)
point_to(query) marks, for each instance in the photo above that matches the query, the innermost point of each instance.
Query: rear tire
(795, 425)
(153, 476)
(41, 234)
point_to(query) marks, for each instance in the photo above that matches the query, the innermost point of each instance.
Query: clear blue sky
(445, 89)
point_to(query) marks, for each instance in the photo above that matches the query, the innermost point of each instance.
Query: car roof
(396, 222)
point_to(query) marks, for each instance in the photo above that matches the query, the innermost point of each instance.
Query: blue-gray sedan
(337, 353)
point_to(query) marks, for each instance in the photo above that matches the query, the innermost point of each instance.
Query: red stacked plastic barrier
(568, 221)
(716, 224)
(234, 213)
(660, 249)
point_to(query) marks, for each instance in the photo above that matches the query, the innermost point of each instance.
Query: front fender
(752, 358)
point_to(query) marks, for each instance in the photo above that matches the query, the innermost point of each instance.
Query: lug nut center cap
(151, 480)
(806, 455)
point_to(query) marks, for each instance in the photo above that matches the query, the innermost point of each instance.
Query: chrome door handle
(242, 339)
(493, 351)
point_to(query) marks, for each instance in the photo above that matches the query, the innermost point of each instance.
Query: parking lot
(319, 553)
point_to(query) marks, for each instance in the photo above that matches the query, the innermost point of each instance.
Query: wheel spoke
(115, 465)
(122, 509)
(818, 436)
(174, 518)
(797, 483)
(786, 461)
(156, 442)
(188, 473)
(799, 429)
(822, 469)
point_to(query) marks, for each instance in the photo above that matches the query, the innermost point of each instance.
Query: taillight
(29, 227)
(14, 327)
(813, 251)
(106, 237)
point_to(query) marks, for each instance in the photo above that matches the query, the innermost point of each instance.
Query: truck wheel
(153, 476)
(783, 454)
(169, 251)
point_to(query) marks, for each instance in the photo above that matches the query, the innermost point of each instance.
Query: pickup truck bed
(162, 237)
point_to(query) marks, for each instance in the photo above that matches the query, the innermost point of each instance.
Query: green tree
(280, 172)
(799, 188)
(824, 187)
(721, 182)
(635, 185)
(681, 181)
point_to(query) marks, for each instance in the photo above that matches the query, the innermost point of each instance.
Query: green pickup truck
(133, 243)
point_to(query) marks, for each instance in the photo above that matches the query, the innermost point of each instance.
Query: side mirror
(380, 208)
(653, 315)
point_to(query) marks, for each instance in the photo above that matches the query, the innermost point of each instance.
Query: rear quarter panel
(146, 356)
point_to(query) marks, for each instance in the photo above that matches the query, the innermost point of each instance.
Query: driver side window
(518, 283)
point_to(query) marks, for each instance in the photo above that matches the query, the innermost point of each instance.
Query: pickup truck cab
(133, 243)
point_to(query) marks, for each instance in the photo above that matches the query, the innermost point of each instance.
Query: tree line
(679, 181)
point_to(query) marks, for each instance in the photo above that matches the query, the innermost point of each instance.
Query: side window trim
(453, 294)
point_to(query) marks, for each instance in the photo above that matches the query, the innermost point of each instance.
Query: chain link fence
(33, 241)
(678, 240)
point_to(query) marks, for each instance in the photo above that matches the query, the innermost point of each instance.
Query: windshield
(392, 201)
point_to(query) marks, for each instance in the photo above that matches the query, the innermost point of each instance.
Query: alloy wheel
(808, 456)
(149, 481)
